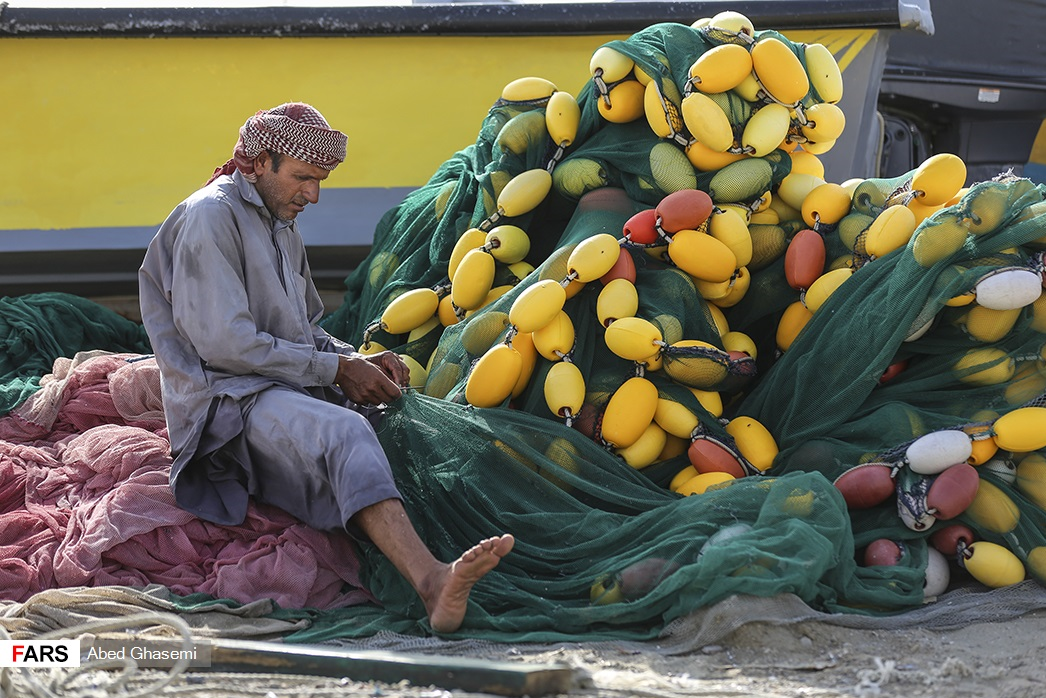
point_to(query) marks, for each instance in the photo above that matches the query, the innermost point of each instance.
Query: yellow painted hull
(113, 132)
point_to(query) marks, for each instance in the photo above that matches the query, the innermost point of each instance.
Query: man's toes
(503, 545)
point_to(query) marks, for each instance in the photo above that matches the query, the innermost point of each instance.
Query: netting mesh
(606, 545)
(39, 328)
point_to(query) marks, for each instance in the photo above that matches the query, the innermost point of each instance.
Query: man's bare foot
(449, 595)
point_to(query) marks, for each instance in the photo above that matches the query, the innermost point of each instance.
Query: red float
(708, 455)
(884, 552)
(686, 209)
(804, 259)
(948, 538)
(624, 268)
(642, 227)
(893, 370)
(866, 485)
(952, 491)
(640, 578)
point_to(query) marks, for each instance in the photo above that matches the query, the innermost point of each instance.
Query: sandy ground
(817, 659)
(760, 660)
(996, 660)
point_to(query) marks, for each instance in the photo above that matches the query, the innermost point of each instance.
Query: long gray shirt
(228, 302)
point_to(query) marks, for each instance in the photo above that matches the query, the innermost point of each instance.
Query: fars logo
(39, 653)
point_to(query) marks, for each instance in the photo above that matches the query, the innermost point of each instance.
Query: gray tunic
(230, 308)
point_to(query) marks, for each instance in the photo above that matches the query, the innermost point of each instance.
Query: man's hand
(393, 366)
(372, 379)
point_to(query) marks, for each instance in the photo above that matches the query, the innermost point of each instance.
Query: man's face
(288, 190)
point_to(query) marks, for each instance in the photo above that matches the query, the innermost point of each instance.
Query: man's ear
(262, 163)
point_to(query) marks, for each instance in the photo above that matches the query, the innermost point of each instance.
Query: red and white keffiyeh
(293, 129)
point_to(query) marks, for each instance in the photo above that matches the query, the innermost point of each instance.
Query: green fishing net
(606, 545)
(41, 327)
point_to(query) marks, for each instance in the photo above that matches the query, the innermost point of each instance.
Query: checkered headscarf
(294, 129)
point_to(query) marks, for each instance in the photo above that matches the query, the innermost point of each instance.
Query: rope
(57, 682)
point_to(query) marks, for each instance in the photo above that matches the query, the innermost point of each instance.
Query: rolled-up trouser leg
(318, 461)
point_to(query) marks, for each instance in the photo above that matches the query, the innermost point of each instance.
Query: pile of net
(86, 501)
(652, 342)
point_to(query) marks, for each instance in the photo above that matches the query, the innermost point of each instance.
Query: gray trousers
(317, 460)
